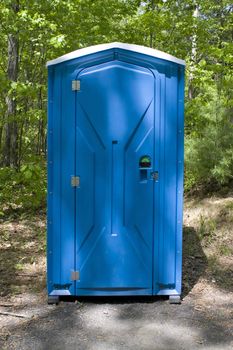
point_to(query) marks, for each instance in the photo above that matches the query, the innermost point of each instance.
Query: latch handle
(154, 175)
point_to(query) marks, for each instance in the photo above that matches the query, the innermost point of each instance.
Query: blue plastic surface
(121, 229)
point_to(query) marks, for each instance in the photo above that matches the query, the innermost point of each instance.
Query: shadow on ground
(194, 260)
(196, 265)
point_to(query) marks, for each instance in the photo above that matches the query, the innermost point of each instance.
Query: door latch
(154, 175)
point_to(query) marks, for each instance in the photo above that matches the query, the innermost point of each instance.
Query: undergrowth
(22, 191)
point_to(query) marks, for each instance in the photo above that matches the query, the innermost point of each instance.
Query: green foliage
(209, 103)
(209, 147)
(24, 190)
(225, 250)
(199, 32)
(206, 230)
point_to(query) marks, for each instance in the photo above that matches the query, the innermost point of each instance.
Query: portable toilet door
(115, 172)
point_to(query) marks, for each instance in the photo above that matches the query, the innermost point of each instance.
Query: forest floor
(204, 320)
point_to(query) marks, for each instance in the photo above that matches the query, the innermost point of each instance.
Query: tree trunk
(40, 125)
(20, 142)
(193, 52)
(152, 32)
(10, 154)
(1, 129)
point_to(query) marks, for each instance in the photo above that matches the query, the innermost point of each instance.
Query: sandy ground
(198, 323)
(204, 320)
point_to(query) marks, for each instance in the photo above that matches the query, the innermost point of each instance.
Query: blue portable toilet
(115, 172)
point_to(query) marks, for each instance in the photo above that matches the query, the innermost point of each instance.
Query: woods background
(35, 31)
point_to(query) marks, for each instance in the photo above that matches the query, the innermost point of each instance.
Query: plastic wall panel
(161, 205)
(170, 164)
(50, 182)
(180, 177)
(55, 193)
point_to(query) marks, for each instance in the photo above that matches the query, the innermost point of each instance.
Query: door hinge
(75, 181)
(75, 276)
(75, 85)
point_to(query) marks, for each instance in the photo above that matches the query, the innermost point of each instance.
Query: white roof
(102, 47)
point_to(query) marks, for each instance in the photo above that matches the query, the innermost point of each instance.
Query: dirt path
(123, 324)
(204, 320)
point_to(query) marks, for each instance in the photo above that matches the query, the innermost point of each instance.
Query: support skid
(53, 299)
(174, 299)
